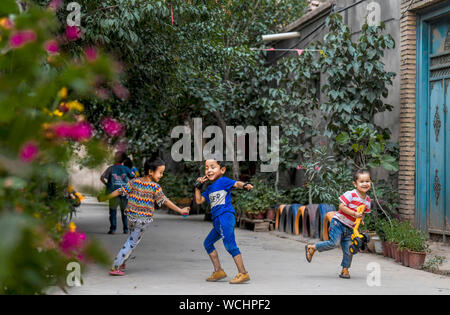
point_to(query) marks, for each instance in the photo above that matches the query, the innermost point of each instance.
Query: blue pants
(121, 202)
(339, 233)
(223, 227)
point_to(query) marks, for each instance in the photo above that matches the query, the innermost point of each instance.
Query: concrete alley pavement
(171, 260)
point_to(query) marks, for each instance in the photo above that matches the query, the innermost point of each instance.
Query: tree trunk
(309, 195)
(223, 126)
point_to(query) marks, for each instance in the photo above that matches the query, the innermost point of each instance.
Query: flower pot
(385, 246)
(405, 257)
(183, 202)
(371, 244)
(258, 216)
(396, 255)
(416, 259)
(377, 245)
(388, 248)
(270, 214)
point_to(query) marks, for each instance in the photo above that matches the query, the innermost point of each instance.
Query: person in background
(114, 177)
(129, 163)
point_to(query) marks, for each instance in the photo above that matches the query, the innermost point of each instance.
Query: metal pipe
(280, 36)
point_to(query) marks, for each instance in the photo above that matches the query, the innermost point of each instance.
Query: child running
(342, 224)
(142, 194)
(218, 194)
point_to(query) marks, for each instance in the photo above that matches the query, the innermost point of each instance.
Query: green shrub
(261, 198)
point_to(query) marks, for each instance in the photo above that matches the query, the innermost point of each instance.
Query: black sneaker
(111, 232)
(126, 232)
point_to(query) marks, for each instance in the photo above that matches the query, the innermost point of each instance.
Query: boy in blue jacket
(218, 194)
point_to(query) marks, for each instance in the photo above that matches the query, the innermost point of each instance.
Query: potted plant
(369, 228)
(259, 205)
(389, 230)
(404, 231)
(380, 227)
(272, 197)
(270, 213)
(242, 203)
(259, 215)
(417, 247)
(178, 188)
(396, 238)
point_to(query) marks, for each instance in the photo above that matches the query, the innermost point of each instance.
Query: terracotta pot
(397, 256)
(416, 259)
(258, 216)
(385, 246)
(388, 249)
(183, 202)
(270, 214)
(405, 257)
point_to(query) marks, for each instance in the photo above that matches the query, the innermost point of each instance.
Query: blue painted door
(438, 171)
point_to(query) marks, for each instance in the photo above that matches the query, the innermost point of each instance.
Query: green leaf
(8, 7)
(373, 164)
(389, 163)
(343, 138)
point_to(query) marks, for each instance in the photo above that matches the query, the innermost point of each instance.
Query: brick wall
(407, 138)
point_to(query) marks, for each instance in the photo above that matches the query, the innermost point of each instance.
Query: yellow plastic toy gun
(359, 241)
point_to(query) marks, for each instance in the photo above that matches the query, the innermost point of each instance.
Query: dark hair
(120, 157)
(128, 163)
(152, 164)
(221, 163)
(359, 172)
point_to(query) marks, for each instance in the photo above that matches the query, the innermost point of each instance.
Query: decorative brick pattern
(407, 138)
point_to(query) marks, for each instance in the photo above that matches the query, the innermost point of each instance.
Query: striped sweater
(142, 196)
(352, 200)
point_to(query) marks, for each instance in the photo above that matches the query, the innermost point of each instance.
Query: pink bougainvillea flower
(6, 23)
(29, 151)
(20, 38)
(73, 243)
(81, 131)
(51, 46)
(112, 127)
(318, 168)
(120, 91)
(299, 167)
(73, 33)
(91, 53)
(77, 132)
(62, 130)
(55, 4)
